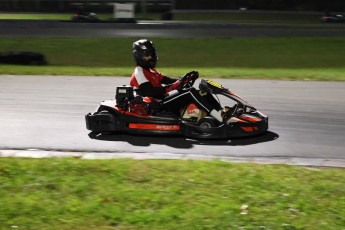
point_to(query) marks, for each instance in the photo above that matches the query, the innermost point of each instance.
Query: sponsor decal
(162, 127)
(192, 110)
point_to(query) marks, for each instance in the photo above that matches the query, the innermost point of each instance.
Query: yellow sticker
(215, 84)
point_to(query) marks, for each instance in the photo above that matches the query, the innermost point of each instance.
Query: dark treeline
(163, 5)
(287, 5)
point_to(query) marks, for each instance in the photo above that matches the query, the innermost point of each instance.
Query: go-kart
(85, 17)
(333, 18)
(133, 114)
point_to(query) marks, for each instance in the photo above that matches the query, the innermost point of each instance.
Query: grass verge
(331, 74)
(154, 194)
(270, 58)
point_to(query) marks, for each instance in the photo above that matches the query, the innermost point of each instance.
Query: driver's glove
(173, 86)
(193, 75)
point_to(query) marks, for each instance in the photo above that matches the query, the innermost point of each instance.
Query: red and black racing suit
(150, 83)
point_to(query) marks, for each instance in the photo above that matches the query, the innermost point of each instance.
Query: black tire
(207, 122)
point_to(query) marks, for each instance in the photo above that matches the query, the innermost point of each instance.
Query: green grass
(154, 194)
(261, 58)
(331, 74)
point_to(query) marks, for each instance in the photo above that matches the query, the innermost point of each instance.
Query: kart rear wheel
(207, 122)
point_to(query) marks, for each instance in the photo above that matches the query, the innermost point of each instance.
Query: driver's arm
(168, 80)
(148, 90)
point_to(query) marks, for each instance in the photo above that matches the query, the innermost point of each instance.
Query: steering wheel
(188, 80)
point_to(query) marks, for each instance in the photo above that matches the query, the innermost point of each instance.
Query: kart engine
(124, 94)
(126, 100)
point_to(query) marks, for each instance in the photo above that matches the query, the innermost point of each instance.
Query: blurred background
(290, 36)
(172, 9)
(170, 5)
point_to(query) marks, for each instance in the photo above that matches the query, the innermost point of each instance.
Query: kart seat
(153, 105)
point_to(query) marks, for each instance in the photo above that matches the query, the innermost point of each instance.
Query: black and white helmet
(144, 53)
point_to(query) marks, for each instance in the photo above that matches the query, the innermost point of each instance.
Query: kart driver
(150, 83)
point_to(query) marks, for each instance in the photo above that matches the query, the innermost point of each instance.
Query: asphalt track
(307, 121)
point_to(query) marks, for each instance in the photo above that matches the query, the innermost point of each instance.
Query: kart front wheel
(207, 122)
